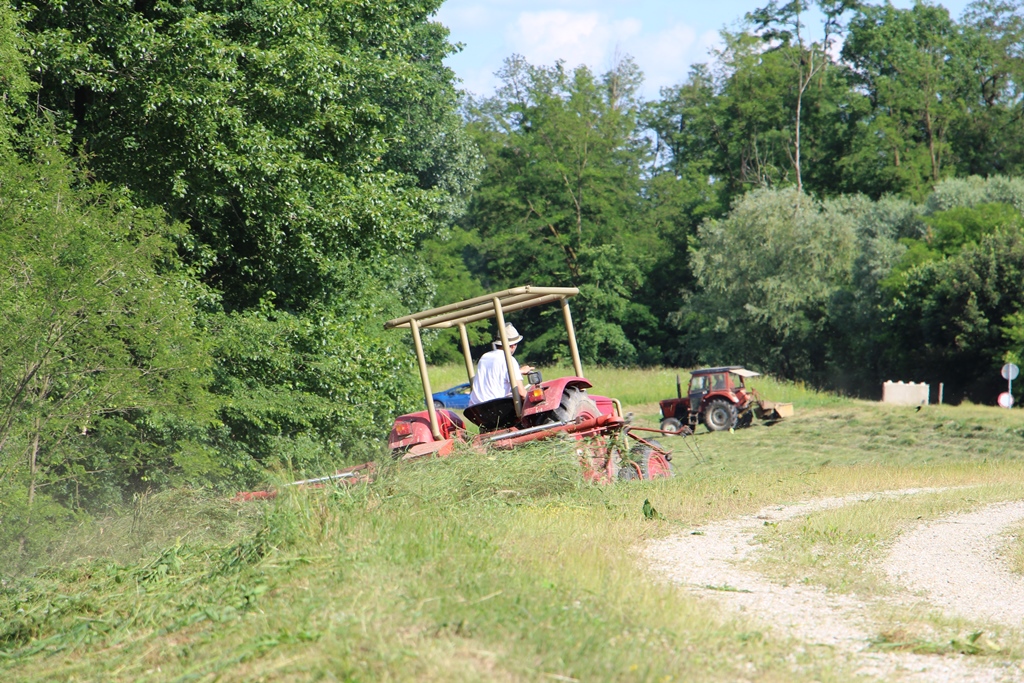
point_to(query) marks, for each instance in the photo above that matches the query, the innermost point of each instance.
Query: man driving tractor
(492, 376)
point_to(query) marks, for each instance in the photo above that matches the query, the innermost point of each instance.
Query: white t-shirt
(491, 380)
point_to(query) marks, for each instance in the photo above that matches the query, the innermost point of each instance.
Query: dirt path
(955, 562)
(708, 561)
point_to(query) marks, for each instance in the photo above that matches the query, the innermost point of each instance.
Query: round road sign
(1010, 371)
(1006, 399)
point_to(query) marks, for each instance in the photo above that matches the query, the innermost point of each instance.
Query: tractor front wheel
(671, 424)
(720, 415)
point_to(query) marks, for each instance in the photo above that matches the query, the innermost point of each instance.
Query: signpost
(1009, 373)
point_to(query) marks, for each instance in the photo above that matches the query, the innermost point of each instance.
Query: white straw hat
(512, 333)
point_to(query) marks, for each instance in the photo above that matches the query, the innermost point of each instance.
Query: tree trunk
(33, 468)
(796, 161)
(931, 143)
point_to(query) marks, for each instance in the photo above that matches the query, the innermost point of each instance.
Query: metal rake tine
(695, 450)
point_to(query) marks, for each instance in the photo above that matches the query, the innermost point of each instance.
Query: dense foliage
(575, 194)
(100, 346)
(849, 292)
(258, 176)
(790, 205)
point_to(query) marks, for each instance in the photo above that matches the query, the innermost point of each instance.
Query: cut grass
(502, 566)
(434, 572)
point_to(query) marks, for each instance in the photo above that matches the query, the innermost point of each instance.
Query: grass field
(502, 566)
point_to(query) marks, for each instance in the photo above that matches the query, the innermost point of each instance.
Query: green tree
(858, 344)
(914, 65)
(989, 140)
(892, 321)
(680, 193)
(766, 275)
(294, 139)
(310, 149)
(560, 200)
(446, 258)
(735, 122)
(14, 78)
(953, 320)
(97, 328)
(783, 26)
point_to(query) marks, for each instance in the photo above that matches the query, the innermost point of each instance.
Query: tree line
(834, 202)
(207, 210)
(209, 207)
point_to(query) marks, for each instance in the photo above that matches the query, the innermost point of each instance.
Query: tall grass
(483, 566)
(493, 567)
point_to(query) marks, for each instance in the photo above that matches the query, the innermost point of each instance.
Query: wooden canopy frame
(481, 308)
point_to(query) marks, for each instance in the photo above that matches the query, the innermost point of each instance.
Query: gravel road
(955, 563)
(709, 561)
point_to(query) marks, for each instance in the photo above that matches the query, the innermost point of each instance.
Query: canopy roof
(482, 307)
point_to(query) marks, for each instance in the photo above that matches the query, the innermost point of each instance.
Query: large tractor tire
(671, 424)
(720, 415)
(575, 403)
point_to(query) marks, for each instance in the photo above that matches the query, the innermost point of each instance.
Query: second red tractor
(719, 399)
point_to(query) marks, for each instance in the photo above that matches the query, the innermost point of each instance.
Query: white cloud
(666, 57)
(595, 39)
(591, 32)
(576, 37)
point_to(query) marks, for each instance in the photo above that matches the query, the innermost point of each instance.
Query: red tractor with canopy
(608, 447)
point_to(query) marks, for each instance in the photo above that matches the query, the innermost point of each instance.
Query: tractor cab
(703, 382)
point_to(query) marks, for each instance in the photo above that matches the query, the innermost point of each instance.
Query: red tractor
(719, 398)
(609, 449)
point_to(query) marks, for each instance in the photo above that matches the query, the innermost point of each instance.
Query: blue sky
(664, 36)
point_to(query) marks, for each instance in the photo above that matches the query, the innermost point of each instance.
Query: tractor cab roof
(735, 369)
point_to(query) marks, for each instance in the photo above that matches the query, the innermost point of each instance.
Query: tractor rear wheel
(671, 424)
(575, 403)
(719, 415)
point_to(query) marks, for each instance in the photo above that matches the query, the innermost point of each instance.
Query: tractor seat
(498, 413)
